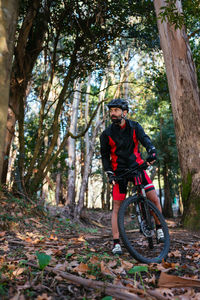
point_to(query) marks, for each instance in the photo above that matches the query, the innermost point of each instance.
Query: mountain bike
(137, 219)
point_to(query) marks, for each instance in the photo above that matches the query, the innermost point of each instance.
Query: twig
(120, 292)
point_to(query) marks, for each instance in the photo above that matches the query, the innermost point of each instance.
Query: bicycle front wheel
(138, 236)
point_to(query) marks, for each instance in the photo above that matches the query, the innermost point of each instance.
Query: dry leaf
(92, 250)
(81, 239)
(18, 271)
(151, 280)
(175, 253)
(94, 260)
(73, 264)
(112, 263)
(82, 268)
(170, 281)
(126, 264)
(48, 252)
(119, 270)
(2, 233)
(61, 267)
(30, 256)
(43, 297)
(52, 237)
(105, 270)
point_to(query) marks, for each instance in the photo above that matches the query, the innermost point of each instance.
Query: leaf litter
(45, 257)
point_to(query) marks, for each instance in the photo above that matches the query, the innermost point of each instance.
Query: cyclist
(119, 151)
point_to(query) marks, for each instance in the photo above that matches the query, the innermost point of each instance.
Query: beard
(116, 120)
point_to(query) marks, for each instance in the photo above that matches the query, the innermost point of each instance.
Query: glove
(152, 155)
(111, 176)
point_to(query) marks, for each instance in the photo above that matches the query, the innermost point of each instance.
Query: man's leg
(118, 197)
(115, 230)
(152, 196)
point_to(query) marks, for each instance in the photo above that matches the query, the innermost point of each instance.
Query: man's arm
(146, 142)
(105, 153)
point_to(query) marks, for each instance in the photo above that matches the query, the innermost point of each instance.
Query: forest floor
(45, 256)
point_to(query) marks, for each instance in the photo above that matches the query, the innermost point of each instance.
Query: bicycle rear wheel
(139, 238)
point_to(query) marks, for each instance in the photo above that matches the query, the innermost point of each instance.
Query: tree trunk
(160, 189)
(185, 99)
(58, 179)
(72, 148)
(11, 168)
(8, 20)
(26, 52)
(89, 154)
(45, 186)
(167, 207)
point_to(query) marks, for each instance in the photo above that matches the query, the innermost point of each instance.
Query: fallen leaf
(170, 281)
(81, 239)
(112, 263)
(2, 233)
(18, 271)
(126, 264)
(48, 252)
(43, 297)
(119, 270)
(61, 267)
(175, 253)
(82, 268)
(53, 237)
(105, 270)
(94, 260)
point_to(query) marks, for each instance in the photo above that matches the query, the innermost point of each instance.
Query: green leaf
(107, 298)
(138, 269)
(43, 259)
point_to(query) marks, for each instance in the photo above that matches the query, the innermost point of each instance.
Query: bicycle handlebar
(132, 172)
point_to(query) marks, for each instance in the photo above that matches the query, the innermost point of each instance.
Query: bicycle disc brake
(146, 230)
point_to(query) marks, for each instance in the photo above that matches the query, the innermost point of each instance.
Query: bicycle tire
(134, 240)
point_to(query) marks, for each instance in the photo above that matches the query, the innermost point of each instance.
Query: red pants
(120, 189)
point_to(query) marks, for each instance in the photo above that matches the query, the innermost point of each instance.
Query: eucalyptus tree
(61, 40)
(8, 21)
(185, 99)
(30, 34)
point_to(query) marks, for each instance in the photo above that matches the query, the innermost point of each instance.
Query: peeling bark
(185, 99)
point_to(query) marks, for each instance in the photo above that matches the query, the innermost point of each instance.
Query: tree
(30, 38)
(76, 42)
(184, 94)
(8, 18)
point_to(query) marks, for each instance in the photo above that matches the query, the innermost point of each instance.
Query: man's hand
(152, 157)
(111, 177)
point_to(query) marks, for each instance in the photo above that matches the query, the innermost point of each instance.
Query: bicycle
(137, 219)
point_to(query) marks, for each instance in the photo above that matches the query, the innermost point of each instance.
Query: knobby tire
(134, 240)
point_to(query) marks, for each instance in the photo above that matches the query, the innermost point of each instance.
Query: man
(119, 150)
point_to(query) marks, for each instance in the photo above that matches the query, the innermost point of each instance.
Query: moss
(187, 186)
(191, 203)
(191, 219)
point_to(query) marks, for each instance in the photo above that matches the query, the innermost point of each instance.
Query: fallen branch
(117, 291)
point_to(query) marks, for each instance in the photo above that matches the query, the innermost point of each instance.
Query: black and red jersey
(120, 146)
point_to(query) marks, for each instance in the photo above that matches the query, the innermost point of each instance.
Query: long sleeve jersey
(119, 146)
